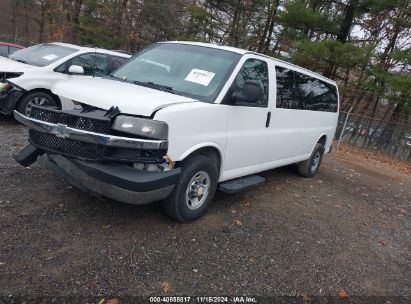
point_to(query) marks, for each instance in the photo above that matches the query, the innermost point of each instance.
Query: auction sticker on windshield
(200, 76)
(50, 57)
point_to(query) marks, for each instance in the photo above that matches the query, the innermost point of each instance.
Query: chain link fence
(375, 134)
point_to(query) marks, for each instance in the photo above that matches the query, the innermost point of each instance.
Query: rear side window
(285, 89)
(302, 92)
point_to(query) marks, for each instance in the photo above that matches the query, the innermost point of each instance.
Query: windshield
(194, 71)
(42, 54)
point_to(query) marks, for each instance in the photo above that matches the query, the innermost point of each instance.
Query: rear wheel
(36, 98)
(195, 189)
(309, 167)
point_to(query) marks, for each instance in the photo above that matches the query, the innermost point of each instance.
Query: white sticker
(200, 76)
(50, 57)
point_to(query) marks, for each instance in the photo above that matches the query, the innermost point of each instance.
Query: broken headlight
(5, 86)
(141, 126)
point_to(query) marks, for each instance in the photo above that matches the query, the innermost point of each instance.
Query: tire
(186, 203)
(309, 167)
(37, 98)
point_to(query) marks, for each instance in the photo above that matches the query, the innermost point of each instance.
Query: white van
(34, 70)
(181, 119)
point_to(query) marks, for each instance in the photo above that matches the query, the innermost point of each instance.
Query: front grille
(73, 119)
(69, 147)
(93, 121)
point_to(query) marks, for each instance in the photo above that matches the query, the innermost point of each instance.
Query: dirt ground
(347, 229)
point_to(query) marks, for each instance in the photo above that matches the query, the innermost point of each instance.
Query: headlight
(141, 126)
(5, 86)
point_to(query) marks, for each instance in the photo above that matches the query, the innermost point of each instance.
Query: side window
(302, 92)
(285, 88)
(257, 70)
(322, 97)
(92, 63)
(4, 50)
(116, 61)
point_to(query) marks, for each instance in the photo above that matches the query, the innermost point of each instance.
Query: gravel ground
(347, 229)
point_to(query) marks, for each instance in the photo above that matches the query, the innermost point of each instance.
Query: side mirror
(76, 69)
(251, 92)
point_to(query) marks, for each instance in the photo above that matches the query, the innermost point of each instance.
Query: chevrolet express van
(181, 119)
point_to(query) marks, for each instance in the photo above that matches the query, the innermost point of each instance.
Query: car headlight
(141, 126)
(4, 86)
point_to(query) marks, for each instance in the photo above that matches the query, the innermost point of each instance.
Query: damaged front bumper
(116, 181)
(106, 175)
(8, 100)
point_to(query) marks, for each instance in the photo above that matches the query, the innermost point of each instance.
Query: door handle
(267, 122)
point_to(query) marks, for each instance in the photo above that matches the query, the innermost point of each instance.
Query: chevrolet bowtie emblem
(60, 130)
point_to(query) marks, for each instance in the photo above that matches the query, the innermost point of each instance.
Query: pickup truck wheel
(36, 99)
(309, 167)
(195, 189)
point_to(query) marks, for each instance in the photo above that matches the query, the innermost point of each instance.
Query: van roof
(243, 52)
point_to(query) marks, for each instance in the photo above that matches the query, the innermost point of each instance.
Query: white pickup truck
(181, 119)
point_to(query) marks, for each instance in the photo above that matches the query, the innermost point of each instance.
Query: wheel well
(322, 140)
(210, 152)
(40, 90)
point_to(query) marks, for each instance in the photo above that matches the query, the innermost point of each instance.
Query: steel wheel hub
(197, 190)
(316, 161)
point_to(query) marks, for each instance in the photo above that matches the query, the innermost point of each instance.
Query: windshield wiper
(122, 79)
(157, 86)
(22, 61)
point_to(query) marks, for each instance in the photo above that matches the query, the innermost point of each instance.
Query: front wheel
(195, 189)
(309, 167)
(36, 98)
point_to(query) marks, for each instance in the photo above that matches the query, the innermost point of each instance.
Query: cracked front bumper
(8, 100)
(116, 181)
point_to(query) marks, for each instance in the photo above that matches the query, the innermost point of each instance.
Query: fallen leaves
(377, 158)
(166, 287)
(113, 301)
(342, 294)
(307, 297)
(238, 222)
(382, 242)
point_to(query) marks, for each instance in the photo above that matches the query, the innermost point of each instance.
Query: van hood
(105, 93)
(9, 65)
